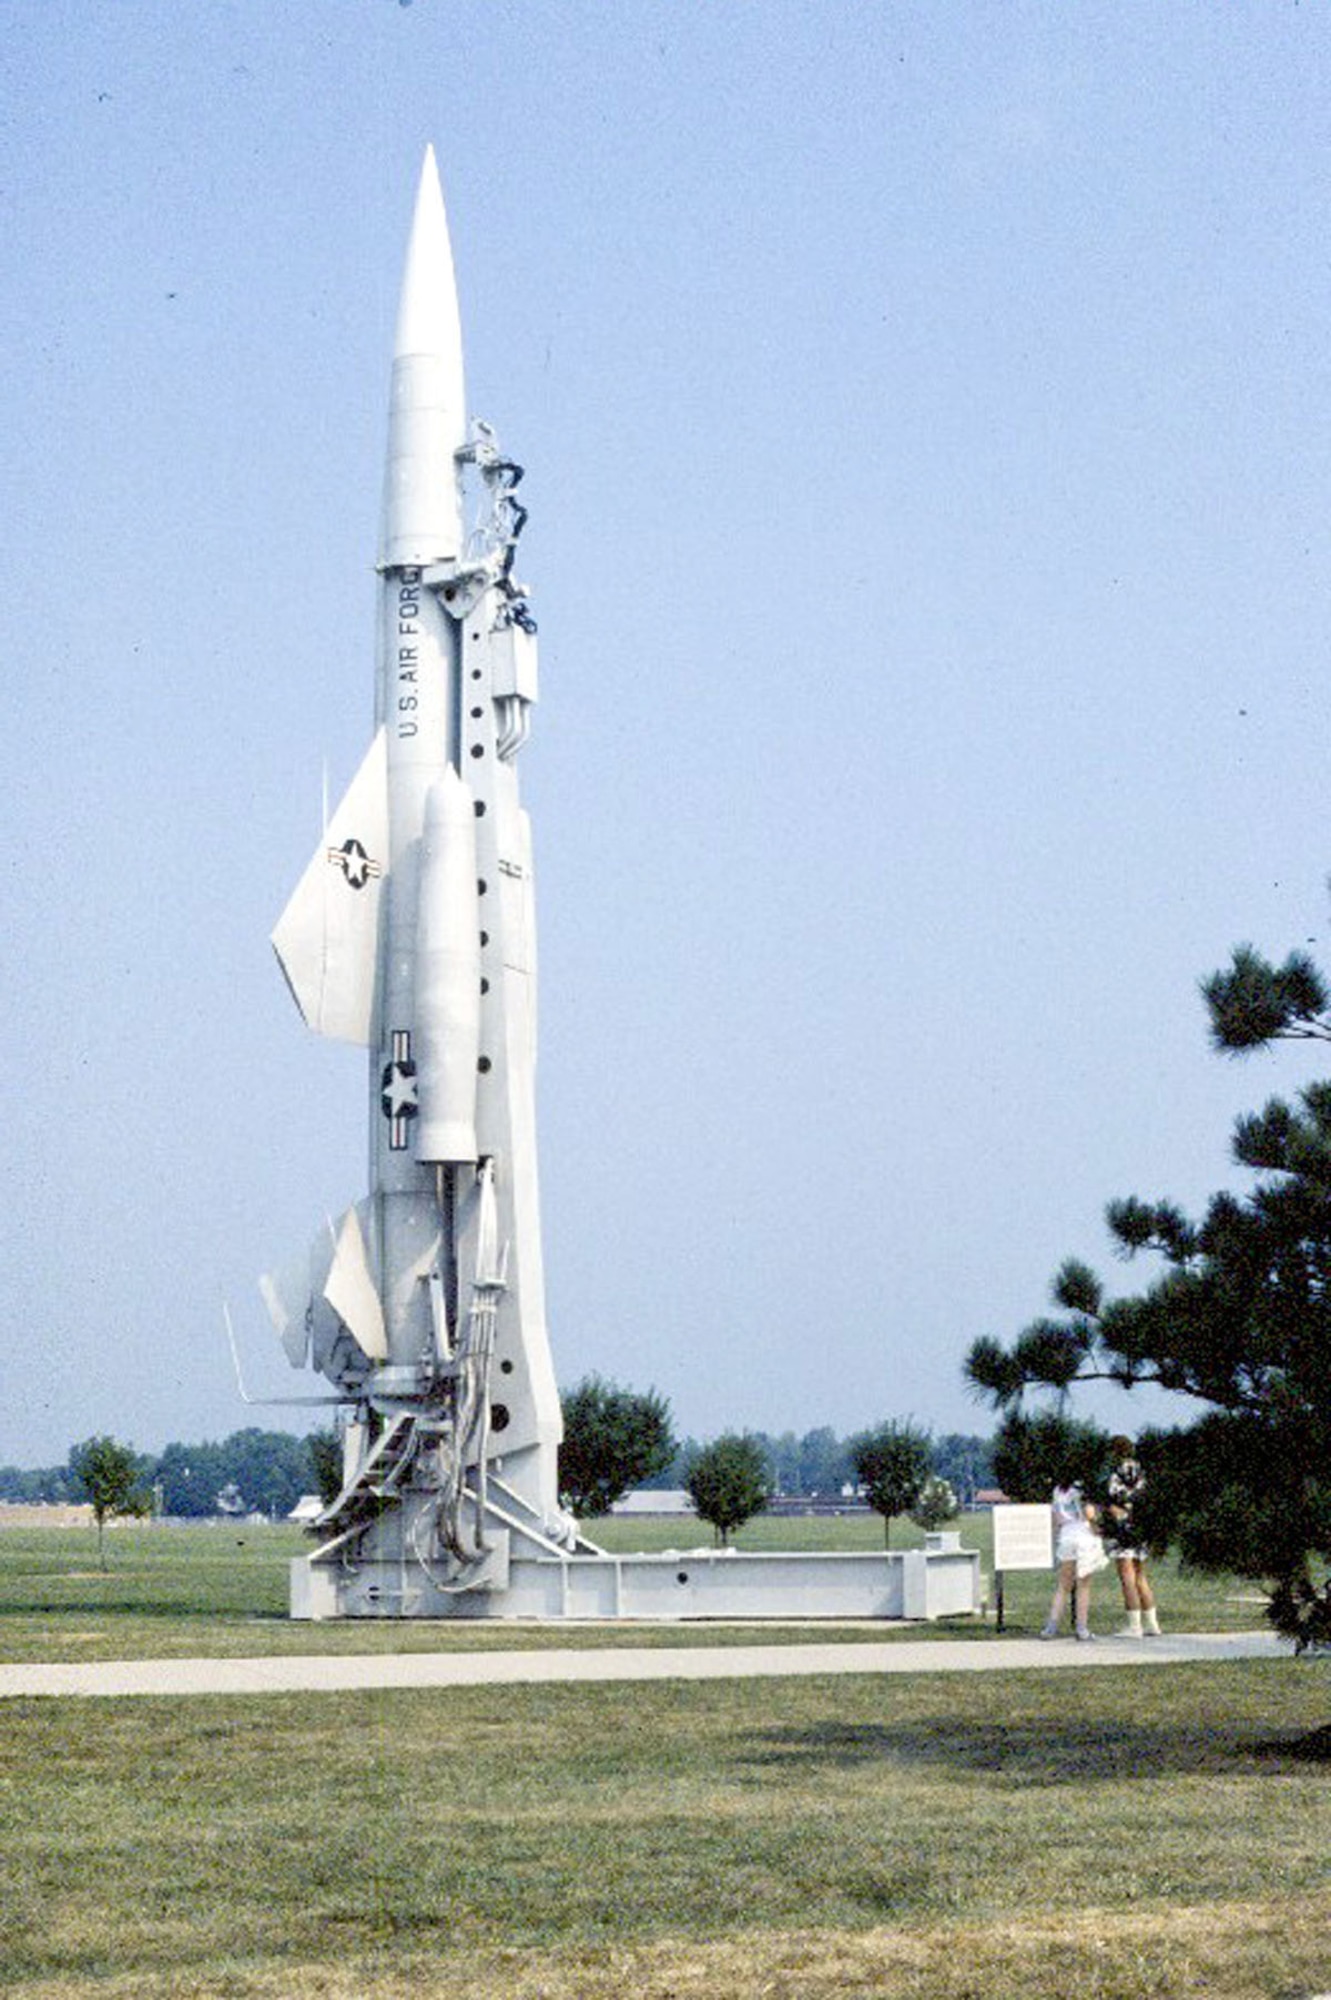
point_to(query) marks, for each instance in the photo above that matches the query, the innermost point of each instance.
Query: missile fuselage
(412, 931)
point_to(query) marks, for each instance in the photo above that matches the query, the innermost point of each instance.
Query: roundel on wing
(356, 866)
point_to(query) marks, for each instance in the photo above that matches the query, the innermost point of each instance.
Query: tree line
(618, 1439)
(615, 1439)
(252, 1471)
(820, 1463)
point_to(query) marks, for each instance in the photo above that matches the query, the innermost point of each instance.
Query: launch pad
(676, 1586)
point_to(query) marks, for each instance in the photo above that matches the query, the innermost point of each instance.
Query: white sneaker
(1085, 1638)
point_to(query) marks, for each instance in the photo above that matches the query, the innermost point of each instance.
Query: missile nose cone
(427, 317)
(427, 416)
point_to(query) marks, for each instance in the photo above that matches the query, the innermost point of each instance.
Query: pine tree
(1239, 1318)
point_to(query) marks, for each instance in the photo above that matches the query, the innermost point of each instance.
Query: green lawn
(1121, 1836)
(1107, 1834)
(221, 1590)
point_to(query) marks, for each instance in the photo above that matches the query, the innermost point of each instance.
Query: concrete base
(697, 1583)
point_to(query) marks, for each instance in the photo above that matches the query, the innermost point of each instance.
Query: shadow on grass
(150, 1609)
(1034, 1752)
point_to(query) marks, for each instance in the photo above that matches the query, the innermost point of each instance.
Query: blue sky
(925, 409)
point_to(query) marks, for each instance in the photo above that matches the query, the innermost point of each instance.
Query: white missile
(410, 932)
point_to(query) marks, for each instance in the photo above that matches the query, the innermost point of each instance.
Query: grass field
(221, 1591)
(1106, 1834)
(1111, 1834)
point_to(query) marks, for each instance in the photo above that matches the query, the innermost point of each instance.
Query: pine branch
(1256, 1002)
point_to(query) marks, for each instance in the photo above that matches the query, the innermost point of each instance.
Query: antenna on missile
(269, 1402)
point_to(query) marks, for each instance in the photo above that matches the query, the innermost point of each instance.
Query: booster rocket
(412, 932)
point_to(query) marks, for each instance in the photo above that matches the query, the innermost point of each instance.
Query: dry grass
(1269, 1950)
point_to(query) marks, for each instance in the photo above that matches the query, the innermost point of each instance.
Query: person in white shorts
(1078, 1553)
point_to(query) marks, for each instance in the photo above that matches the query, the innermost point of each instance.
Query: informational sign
(1023, 1538)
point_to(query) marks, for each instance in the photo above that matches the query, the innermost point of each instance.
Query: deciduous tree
(892, 1464)
(729, 1481)
(613, 1440)
(325, 1455)
(112, 1478)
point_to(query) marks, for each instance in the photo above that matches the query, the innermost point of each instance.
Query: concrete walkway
(331, 1673)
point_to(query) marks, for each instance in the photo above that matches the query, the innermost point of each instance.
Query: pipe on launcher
(448, 976)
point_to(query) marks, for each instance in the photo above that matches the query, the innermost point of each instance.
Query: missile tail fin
(286, 1295)
(326, 938)
(350, 1289)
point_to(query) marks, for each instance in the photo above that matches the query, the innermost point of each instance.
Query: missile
(411, 933)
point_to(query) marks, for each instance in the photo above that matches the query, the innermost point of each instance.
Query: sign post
(1023, 1539)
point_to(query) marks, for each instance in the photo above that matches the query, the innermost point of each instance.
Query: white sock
(1134, 1624)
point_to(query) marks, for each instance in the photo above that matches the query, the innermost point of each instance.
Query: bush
(936, 1503)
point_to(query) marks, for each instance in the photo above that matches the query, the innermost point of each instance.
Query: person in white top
(1078, 1553)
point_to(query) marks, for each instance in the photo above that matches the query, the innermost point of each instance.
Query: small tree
(613, 1439)
(111, 1477)
(729, 1481)
(891, 1464)
(936, 1504)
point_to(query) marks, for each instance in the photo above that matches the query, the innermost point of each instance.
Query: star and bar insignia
(397, 1087)
(355, 863)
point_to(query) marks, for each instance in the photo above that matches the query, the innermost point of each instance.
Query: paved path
(330, 1673)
